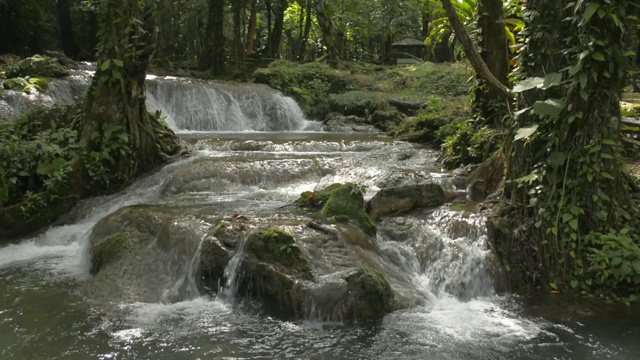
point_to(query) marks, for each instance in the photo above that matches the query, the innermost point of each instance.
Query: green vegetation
(36, 66)
(35, 155)
(372, 295)
(275, 245)
(340, 203)
(17, 84)
(108, 250)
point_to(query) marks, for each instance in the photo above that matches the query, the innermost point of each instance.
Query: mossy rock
(17, 84)
(371, 294)
(339, 203)
(346, 202)
(387, 120)
(359, 103)
(275, 290)
(40, 83)
(37, 66)
(276, 246)
(108, 250)
(439, 120)
(230, 233)
(316, 199)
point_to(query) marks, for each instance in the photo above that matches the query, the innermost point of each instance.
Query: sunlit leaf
(550, 107)
(592, 7)
(526, 132)
(528, 84)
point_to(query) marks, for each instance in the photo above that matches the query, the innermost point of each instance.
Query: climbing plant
(575, 193)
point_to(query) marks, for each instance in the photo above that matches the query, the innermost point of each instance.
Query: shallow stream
(43, 314)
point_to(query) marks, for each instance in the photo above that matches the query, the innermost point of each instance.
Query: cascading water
(187, 104)
(194, 105)
(233, 275)
(47, 311)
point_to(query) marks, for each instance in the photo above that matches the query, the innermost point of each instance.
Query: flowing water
(45, 312)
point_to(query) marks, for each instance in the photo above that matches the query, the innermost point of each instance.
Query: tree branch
(472, 54)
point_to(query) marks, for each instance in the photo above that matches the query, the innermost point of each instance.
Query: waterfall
(233, 274)
(188, 105)
(195, 105)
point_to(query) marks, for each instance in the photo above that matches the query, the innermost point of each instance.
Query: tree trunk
(67, 36)
(212, 57)
(275, 36)
(488, 101)
(328, 31)
(251, 33)
(307, 30)
(121, 139)
(237, 33)
(472, 54)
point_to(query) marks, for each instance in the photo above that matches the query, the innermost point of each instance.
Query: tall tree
(275, 35)
(67, 36)
(251, 32)
(212, 57)
(489, 102)
(237, 8)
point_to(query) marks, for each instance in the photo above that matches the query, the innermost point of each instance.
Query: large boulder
(295, 270)
(403, 199)
(294, 262)
(144, 254)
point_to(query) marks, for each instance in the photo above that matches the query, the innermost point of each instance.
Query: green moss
(40, 83)
(372, 295)
(108, 250)
(275, 245)
(220, 229)
(37, 66)
(316, 199)
(346, 201)
(17, 84)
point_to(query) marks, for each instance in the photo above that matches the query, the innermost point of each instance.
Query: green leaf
(528, 84)
(583, 80)
(44, 169)
(598, 56)
(592, 7)
(58, 163)
(550, 107)
(566, 217)
(526, 132)
(574, 224)
(551, 80)
(522, 111)
(556, 158)
(118, 62)
(606, 175)
(574, 284)
(117, 75)
(105, 65)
